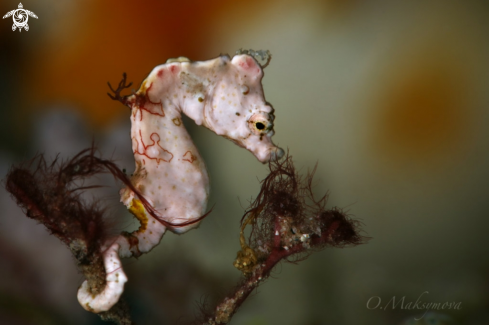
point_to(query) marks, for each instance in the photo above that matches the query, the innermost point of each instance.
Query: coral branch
(48, 194)
(287, 222)
(117, 92)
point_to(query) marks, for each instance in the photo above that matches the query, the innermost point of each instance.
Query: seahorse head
(237, 108)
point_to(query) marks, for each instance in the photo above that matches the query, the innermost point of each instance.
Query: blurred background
(389, 97)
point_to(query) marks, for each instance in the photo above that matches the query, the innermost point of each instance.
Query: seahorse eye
(260, 126)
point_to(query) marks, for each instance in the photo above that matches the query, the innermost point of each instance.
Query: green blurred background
(389, 97)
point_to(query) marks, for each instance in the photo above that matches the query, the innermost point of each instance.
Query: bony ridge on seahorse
(170, 185)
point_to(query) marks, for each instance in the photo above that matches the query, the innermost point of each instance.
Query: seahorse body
(224, 95)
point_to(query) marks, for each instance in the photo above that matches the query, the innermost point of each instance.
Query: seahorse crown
(20, 5)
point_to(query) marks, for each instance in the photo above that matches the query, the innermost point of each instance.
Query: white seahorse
(170, 185)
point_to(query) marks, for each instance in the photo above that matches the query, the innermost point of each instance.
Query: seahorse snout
(266, 154)
(277, 154)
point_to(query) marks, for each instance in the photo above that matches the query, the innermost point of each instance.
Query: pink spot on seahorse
(174, 69)
(151, 151)
(142, 101)
(191, 157)
(247, 63)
